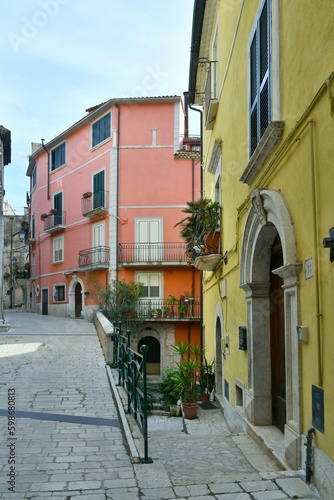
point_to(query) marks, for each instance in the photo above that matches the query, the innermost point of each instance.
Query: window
(149, 240)
(152, 285)
(32, 230)
(260, 68)
(58, 156)
(59, 293)
(98, 190)
(34, 178)
(58, 249)
(58, 205)
(101, 130)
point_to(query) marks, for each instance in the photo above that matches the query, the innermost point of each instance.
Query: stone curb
(124, 422)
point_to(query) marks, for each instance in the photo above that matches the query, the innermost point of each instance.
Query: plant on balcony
(200, 226)
(88, 194)
(53, 211)
(182, 310)
(44, 216)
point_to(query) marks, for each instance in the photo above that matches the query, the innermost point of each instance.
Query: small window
(58, 249)
(59, 293)
(34, 178)
(58, 156)
(101, 130)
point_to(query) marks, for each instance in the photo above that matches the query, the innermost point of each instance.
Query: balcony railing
(211, 94)
(94, 203)
(146, 253)
(94, 258)
(55, 222)
(164, 309)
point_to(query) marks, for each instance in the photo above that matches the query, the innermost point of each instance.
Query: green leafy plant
(119, 302)
(207, 376)
(186, 372)
(168, 388)
(203, 219)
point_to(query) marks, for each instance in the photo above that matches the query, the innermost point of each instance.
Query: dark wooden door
(45, 302)
(78, 300)
(278, 382)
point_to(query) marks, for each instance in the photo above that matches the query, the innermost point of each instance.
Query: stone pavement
(68, 439)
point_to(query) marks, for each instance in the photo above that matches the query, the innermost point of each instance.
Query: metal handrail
(132, 376)
(153, 252)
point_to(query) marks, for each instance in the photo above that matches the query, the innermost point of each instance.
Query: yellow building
(262, 70)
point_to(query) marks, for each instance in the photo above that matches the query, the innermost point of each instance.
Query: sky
(60, 57)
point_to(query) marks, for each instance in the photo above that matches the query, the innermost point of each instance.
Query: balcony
(30, 240)
(55, 222)
(211, 95)
(94, 204)
(146, 254)
(187, 309)
(94, 258)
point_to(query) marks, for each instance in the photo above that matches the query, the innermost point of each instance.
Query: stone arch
(219, 360)
(71, 294)
(269, 216)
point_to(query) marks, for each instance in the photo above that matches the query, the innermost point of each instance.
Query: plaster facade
(267, 137)
(105, 197)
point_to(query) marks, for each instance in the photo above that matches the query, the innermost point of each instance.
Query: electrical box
(302, 332)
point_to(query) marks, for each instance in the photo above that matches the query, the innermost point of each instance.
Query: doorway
(45, 301)
(277, 338)
(153, 354)
(78, 300)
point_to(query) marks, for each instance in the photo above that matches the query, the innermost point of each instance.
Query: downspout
(201, 192)
(48, 186)
(117, 185)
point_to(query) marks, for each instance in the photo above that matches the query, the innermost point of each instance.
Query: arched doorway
(277, 338)
(78, 300)
(269, 275)
(153, 354)
(218, 359)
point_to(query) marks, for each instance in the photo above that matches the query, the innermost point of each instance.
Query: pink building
(105, 197)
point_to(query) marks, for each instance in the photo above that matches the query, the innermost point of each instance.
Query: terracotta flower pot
(190, 411)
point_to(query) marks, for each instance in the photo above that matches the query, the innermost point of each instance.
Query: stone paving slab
(57, 369)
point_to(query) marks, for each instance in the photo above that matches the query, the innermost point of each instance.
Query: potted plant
(53, 211)
(182, 310)
(44, 216)
(201, 228)
(185, 376)
(88, 194)
(172, 301)
(207, 379)
(169, 392)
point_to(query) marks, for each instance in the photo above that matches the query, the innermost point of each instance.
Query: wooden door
(45, 302)
(278, 382)
(78, 300)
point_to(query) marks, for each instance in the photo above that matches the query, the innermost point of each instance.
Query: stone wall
(104, 331)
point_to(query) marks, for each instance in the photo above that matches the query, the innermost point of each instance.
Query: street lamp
(22, 236)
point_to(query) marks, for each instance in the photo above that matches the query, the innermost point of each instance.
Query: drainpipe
(117, 182)
(308, 461)
(201, 183)
(48, 187)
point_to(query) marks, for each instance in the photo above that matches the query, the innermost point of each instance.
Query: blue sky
(59, 57)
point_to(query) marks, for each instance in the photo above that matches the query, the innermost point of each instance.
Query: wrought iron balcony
(211, 95)
(55, 222)
(153, 253)
(167, 310)
(94, 204)
(94, 258)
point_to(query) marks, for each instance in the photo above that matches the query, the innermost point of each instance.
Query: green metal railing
(132, 376)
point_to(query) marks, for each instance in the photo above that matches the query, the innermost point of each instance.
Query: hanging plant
(201, 224)
(44, 216)
(87, 195)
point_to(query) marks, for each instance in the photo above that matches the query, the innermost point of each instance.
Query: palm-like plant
(186, 372)
(203, 219)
